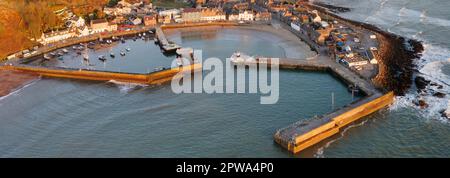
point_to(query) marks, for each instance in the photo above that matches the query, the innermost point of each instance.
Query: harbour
(348, 72)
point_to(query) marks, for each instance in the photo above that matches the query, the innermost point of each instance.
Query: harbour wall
(301, 135)
(158, 77)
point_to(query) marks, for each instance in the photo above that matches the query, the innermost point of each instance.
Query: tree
(112, 3)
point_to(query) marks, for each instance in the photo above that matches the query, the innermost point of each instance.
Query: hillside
(21, 20)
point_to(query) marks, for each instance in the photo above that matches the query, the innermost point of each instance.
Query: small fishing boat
(112, 55)
(74, 47)
(122, 53)
(46, 57)
(65, 50)
(159, 69)
(60, 53)
(179, 61)
(102, 58)
(354, 89)
(239, 57)
(86, 58)
(128, 49)
(52, 54)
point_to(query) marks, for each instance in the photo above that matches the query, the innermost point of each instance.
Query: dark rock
(439, 94)
(421, 103)
(421, 83)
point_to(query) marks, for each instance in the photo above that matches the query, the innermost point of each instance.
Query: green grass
(170, 3)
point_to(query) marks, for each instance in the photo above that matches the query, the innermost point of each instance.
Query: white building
(353, 61)
(53, 37)
(246, 16)
(137, 21)
(214, 18)
(84, 31)
(170, 12)
(233, 17)
(79, 22)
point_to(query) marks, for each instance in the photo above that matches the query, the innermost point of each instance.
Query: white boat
(179, 61)
(46, 57)
(122, 53)
(86, 57)
(185, 51)
(65, 50)
(128, 49)
(239, 57)
(159, 69)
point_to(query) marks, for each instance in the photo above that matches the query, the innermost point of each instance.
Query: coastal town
(357, 54)
(351, 46)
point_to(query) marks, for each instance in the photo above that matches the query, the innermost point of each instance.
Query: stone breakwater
(396, 56)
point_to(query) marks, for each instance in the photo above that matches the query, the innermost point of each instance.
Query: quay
(324, 63)
(68, 42)
(163, 42)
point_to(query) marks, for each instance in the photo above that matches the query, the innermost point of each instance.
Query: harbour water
(71, 118)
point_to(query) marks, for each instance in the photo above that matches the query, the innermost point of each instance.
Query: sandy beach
(293, 47)
(12, 80)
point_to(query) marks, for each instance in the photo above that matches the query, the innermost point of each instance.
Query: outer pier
(153, 78)
(304, 134)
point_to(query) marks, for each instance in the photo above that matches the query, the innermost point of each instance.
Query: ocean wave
(125, 87)
(434, 58)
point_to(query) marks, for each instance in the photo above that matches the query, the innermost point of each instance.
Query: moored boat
(102, 58)
(239, 57)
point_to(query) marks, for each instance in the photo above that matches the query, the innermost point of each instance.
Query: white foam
(430, 67)
(125, 87)
(319, 153)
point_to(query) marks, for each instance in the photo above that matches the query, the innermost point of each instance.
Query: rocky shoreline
(333, 8)
(396, 56)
